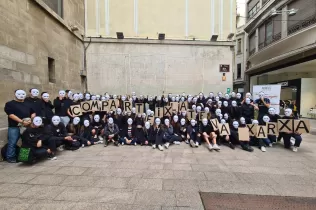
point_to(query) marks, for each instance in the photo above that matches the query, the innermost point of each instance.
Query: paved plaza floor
(135, 177)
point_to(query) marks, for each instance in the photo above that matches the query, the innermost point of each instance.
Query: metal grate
(302, 24)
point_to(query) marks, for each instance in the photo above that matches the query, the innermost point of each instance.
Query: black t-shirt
(207, 129)
(262, 108)
(19, 109)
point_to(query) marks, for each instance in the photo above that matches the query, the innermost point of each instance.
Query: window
(239, 46)
(253, 11)
(238, 70)
(56, 5)
(51, 70)
(269, 32)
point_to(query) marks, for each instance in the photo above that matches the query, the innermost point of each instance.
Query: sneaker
(177, 142)
(135, 144)
(192, 143)
(154, 146)
(167, 145)
(61, 148)
(82, 145)
(100, 138)
(100, 142)
(210, 147)
(52, 157)
(122, 143)
(11, 160)
(197, 144)
(263, 149)
(292, 142)
(160, 147)
(294, 149)
(231, 145)
(249, 149)
(105, 145)
(116, 143)
(216, 147)
(270, 145)
(187, 141)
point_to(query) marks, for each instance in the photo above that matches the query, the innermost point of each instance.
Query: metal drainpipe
(85, 48)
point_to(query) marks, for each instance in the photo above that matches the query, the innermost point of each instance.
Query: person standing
(34, 102)
(61, 104)
(263, 105)
(18, 112)
(47, 108)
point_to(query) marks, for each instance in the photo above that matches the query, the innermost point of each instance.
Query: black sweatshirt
(35, 104)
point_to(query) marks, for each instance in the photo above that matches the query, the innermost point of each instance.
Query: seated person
(88, 133)
(207, 133)
(234, 137)
(183, 131)
(158, 133)
(139, 124)
(98, 125)
(111, 133)
(34, 138)
(74, 130)
(226, 138)
(193, 134)
(128, 136)
(169, 136)
(273, 118)
(148, 134)
(260, 142)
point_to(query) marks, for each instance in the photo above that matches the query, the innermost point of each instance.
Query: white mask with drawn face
(216, 98)
(20, 94)
(204, 122)
(152, 113)
(148, 112)
(56, 120)
(226, 116)
(102, 98)
(288, 112)
(198, 109)
(272, 111)
(123, 98)
(167, 122)
(194, 107)
(183, 94)
(133, 110)
(226, 96)
(86, 123)
(223, 121)
(173, 99)
(45, 96)
(93, 97)
(177, 99)
(207, 110)
(255, 122)
(62, 93)
(211, 94)
(182, 99)
(220, 94)
(175, 118)
(238, 96)
(133, 94)
(194, 100)
(147, 125)
(129, 121)
(157, 121)
(242, 121)
(150, 98)
(119, 111)
(220, 116)
(87, 97)
(114, 96)
(182, 121)
(201, 95)
(235, 124)
(110, 121)
(76, 97)
(37, 121)
(193, 123)
(76, 121)
(225, 104)
(234, 103)
(166, 99)
(134, 98)
(183, 113)
(189, 99)
(98, 97)
(144, 115)
(247, 101)
(233, 94)
(34, 92)
(139, 115)
(70, 94)
(248, 95)
(218, 112)
(159, 98)
(80, 96)
(266, 119)
(209, 101)
(96, 118)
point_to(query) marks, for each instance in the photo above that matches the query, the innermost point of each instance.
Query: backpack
(25, 155)
(73, 145)
(4, 151)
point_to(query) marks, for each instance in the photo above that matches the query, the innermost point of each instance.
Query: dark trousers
(195, 138)
(39, 152)
(107, 140)
(50, 144)
(287, 140)
(171, 139)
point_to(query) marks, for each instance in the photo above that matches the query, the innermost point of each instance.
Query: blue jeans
(122, 140)
(13, 138)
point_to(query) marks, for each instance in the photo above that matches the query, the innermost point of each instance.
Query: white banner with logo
(272, 92)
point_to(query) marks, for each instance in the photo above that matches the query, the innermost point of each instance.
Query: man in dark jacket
(61, 104)
(111, 132)
(34, 102)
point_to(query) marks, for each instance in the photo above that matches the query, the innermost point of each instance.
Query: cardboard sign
(191, 114)
(224, 129)
(272, 128)
(285, 125)
(76, 110)
(252, 128)
(202, 115)
(95, 105)
(159, 112)
(302, 126)
(104, 106)
(139, 108)
(175, 106)
(262, 132)
(183, 106)
(85, 106)
(215, 124)
(243, 134)
(113, 105)
(167, 111)
(128, 106)
(150, 119)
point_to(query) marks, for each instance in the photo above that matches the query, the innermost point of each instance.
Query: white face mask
(175, 118)
(226, 96)
(177, 99)
(111, 121)
(147, 125)
(129, 121)
(166, 99)
(220, 94)
(217, 98)
(102, 98)
(157, 121)
(167, 122)
(96, 118)
(238, 95)
(248, 101)
(233, 94)
(218, 112)
(80, 96)
(288, 112)
(226, 116)
(223, 121)
(37, 121)
(266, 119)
(272, 111)
(45, 96)
(248, 95)
(97, 97)
(133, 94)
(34, 92)
(194, 100)
(183, 94)
(76, 97)
(86, 123)
(211, 95)
(225, 104)
(144, 116)
(242, 121)
(20, 94)
(198, 109)
(93, 98)
(148, 112)
(76, 121)
(189, 99)
(182, 121)
(201, 96)
(134, 110)
(234, 103)
(123, 98)
(261, 94)
(62, 93)
(150, 98)
(69, 94)
(139, 115)
(159, 98)
(114, 96)
(184, 113)
(207, 110)
(220, 116)
(173, 99)
(119, 111)
(194, 107)
(255, 122)
(182, 99)
(87, 97)
(204, 121)
(134, 98)
(193, 123)
(235, 124)
(56, 120)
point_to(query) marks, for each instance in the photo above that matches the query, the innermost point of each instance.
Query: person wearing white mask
(234, 139)
(235, 111)
(62, 104)
(263, 104)
(176, 127)
(47, 108)
(34, 102)
(128, 136)
(208, 135)
(248, 110)
(111, 133)
(97, 125)
(19, 115)
(239, 99)
(183, 130)
(148, 135)
(169, 136)
(193, 136)
(76, 131)
(157, 140)
(201, 99)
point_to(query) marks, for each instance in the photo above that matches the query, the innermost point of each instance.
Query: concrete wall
(156, 68)
(178, 19)
(29, 34)
(308, 97)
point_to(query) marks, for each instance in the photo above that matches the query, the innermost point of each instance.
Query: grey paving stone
(108, 195)
(96, 206)
(89, 164)
(42, 192)
(111, 182)
(48, 179)
(177, 166)
(196, 175)
(189, 199)
(78, 194)
(237, 162)
(12, 190)
(38, 169)
(158, 166)
(200, 167)
(17, 178)
(77, 181)
(50, 204)
(161, 198)
(158, 174)
(15, 203)
(129, 165)
(255, 178)
(71, 170)
(221, 177)
(184, 160)
(179, 184)
(147, 184)
(295, 190)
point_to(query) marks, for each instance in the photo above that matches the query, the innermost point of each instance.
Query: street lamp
(290, 12)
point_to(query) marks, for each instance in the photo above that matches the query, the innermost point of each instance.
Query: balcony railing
(302, 24)
(275, 38)
(251, 52)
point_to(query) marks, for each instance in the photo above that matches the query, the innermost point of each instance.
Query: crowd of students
(47, 127)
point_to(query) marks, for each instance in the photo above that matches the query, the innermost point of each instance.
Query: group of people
(46, 127)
